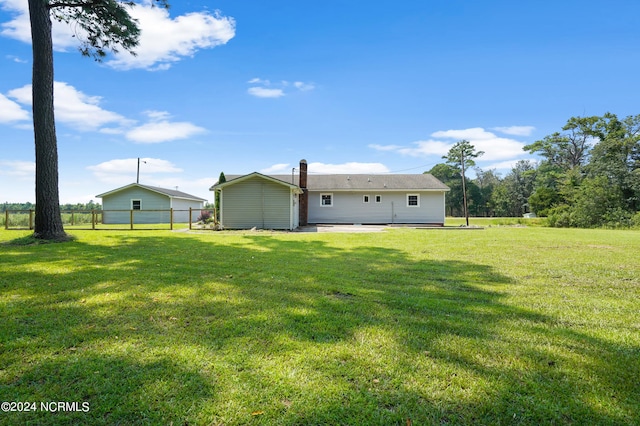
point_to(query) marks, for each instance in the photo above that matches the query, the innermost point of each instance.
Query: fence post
(190, 217)
(72, 217)
(30, 219)
(131, 218)
(6, 219)
(171, 218)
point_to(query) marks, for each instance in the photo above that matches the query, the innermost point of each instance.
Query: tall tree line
(63, 207)
(588, 176)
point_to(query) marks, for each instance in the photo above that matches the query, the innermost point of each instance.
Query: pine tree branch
(82, 4)
(91, 3)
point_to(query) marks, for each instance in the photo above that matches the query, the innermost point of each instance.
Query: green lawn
(506, 325)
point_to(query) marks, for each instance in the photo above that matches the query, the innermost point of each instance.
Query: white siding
(349, 207)
(149, 200)
(122, 201)
(256, 202)
(181, 209)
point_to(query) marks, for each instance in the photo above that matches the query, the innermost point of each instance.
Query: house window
(378, 198)
(136, 204)
(413, 200)
(365, 198)
(326, 200)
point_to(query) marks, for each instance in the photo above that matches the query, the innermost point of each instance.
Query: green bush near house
(506, 325)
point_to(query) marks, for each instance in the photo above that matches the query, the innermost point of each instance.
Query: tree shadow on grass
(155, 329)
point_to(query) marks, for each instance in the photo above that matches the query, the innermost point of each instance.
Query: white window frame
(417, 200)
(139, 202)
(366, 199)
(322, 204)
(378, 198)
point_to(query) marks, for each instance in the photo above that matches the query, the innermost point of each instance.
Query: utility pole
(138, 174)
(464, 189)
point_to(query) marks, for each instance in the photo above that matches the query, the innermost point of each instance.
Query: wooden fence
(116, 219)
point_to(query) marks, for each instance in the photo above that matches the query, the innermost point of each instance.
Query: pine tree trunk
(48, 222)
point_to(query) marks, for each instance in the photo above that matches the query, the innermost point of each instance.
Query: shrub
(205, 215)
(617, 218)
(560, 216)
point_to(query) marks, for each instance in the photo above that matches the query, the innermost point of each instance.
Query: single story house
(149, 203)
(289, 201)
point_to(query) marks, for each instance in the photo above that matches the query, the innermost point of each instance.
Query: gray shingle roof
(173, 193)
(168, 192)
(359, 182)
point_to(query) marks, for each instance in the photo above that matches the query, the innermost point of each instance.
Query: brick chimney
(304, 197)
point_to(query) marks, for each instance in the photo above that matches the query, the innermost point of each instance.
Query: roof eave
(220, 186)
(148, 189)
(380, 189)
(113, 191)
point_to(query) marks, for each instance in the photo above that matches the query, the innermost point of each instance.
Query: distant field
(505, 325)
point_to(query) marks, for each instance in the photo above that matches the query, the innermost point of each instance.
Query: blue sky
(351, 86)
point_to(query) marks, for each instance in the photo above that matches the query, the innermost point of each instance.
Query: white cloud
(424, 148)
(112, 130)
(153, 171)
(352, 167)
(19, 28)
(18, 169)
(259, 81)
(475, 133)
(262, 92)
(123, 171)
(160, 129)
(157, 115)
(495, 148)
(515, 130)
(78, 110)
(419, 148)
(83, 112)
(277, 169)
(498, 148)
(10, 111)
(323, 168)
(16, 59)
(506, 165)
(303, 87)
(385, 147)
(265, 89)
(163, 39)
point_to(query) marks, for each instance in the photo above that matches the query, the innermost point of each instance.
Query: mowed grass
(494, 326)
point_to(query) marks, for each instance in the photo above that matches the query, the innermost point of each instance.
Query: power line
(380, 173)
(413, 168)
